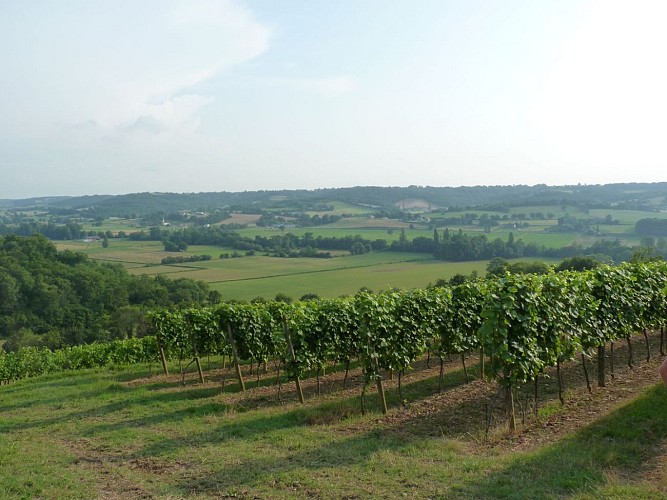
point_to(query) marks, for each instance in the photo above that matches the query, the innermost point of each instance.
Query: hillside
(126, 433)
(631, 195)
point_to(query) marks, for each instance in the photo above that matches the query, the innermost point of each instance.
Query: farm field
(249, 277)
(389, 229)
(259, 276)
(131, 433)
(367, 231)
(532, 234)
(115, 224)
(129, 253)
(346, 281)
(340, 208)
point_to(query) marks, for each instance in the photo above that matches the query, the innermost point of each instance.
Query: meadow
(249, 277)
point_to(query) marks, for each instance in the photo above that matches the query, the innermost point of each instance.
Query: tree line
(57, 298)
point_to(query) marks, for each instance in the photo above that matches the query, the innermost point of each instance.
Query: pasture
(245, 278)
(249, 277)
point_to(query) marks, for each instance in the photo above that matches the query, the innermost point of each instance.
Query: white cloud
(122, 63)
(328, 87)
(107, 95)
(176, 115)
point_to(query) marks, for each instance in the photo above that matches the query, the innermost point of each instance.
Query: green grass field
(130, 253)
(346, 281)
(628, 217)
(261, 276)
(115, 224)
(340, 231)
(340, 208)
(127, 433)
(249, 277)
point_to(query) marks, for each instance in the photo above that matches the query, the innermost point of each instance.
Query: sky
(125, 96)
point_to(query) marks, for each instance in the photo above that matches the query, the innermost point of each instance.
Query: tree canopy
(64, 298)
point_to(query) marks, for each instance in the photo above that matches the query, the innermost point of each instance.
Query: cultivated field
(260, 276)
(249, 277)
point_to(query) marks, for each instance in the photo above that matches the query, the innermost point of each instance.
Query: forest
(622, 196)
(51, 298)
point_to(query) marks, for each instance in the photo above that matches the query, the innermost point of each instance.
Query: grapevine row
(523, 324)
(33, 361)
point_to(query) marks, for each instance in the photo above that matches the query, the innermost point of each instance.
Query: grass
(115, 224)
(405, 275)
(122, 433)
(340, 208)
(249, 277)
(119, 250)
(602, 460)
(627, 217)
(369, 230)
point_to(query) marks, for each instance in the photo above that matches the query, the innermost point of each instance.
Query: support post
(163, 359)
(290, 346)
(237, 366)
(601, 355)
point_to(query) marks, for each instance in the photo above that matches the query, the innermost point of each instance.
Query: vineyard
(33, 361)
(521, 326)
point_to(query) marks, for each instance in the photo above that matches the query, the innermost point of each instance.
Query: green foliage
(514, 324)
(578, 263)
(33, 361)
(66, 298)
(497, 267)
(535, 267)
(283, 297)
(525, 323)
(459, 317)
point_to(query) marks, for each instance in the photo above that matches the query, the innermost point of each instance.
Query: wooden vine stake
(588, 382)
(163, 359)
(560, 382)
(290, 346)
(465, 370)
(482, 371)
(648, 346)
(630, 359)
(601, 354)
(380, 386)
(347, 372)
(442, 373)
(199, 370)
(235, 354)
(509, 406)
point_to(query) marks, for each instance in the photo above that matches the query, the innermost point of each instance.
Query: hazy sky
(120, 96)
